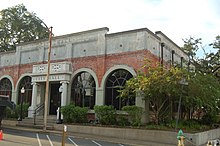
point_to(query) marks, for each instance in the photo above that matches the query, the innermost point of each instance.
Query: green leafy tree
(17, 25)
(210, 62)
(203, 95)
(191, 46)
(216, 43)
(163, 88)
(160, 86)
(215, 57)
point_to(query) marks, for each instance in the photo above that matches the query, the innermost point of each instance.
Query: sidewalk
(90, 136)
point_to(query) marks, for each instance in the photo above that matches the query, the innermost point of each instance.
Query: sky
(178, 19)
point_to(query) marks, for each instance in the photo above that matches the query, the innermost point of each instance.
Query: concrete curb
(99, 133)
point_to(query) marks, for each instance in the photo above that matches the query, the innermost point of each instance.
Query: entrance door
(55, 98)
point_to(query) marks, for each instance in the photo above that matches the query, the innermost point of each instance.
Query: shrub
(134, 113)
(209, 118)
(122, 120)
(105, 114)
(74, 114)
(16, 113)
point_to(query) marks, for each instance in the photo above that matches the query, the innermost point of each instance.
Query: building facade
(87, 68)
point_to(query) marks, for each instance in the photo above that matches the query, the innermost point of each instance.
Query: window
(116, 80)
(26, 83)
(5, 87)
(83, 90)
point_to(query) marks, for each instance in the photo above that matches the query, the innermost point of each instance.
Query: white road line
(72, 141)
(49, 140)
(96, 143)
(38, 139)
(121, 144)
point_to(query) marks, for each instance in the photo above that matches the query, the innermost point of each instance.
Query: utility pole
(47, 79)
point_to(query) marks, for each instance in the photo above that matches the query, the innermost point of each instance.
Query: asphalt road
(14, 137)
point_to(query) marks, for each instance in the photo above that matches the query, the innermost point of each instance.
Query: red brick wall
(99, 64)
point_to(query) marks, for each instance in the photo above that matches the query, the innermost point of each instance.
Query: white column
(99, 100)
(64, 92)
(144, 103)
(34, 100)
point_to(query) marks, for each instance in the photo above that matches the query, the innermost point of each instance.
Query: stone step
(37, 121)
(38, 124)
(49, 127)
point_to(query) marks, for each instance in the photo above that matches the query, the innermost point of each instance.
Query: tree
(203, 95)
(161, 86)
(191, 46)
(215, 57)
(216, 43)
(210, 62)
(17, 25)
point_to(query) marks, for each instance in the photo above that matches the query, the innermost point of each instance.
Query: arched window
(5, 87)
(115, 81)
(83, 90)
(26, 83)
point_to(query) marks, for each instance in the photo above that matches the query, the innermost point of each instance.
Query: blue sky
(178, 19)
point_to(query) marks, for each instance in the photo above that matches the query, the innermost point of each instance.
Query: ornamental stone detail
(60, 67)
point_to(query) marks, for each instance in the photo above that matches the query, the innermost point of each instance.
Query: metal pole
(21, 106)
(47, 81)
(178, 112)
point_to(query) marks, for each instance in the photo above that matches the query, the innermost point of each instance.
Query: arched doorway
(115, 81)
(83, 90)
(6, 87)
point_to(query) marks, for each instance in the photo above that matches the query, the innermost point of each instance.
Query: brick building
(87, 68)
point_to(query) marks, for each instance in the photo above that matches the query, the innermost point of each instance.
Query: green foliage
(216, 43)
(203, 93)
(122, 120)
(74, 114)
(190, 124)
(105, 114)
(17, 25)
(209, 62)
(191, 46)
(209, 118)
(15, 113)
(134, 113)
(160, 85)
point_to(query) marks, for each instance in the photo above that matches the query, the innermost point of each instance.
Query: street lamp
(47, 78)
(48, 69)
(21, 103)
(59, 119)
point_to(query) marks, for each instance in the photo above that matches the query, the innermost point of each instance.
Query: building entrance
(55, 98)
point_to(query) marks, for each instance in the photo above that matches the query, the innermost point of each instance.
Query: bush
(134, 113)
(209, 118)
(105, 114)
(122, 120)
(14, 114)
(10, 113)
(74, 114)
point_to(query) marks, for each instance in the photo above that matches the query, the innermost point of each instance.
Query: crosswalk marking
(49, 140)
(38, 139)
(96, 143)
(72, 141)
